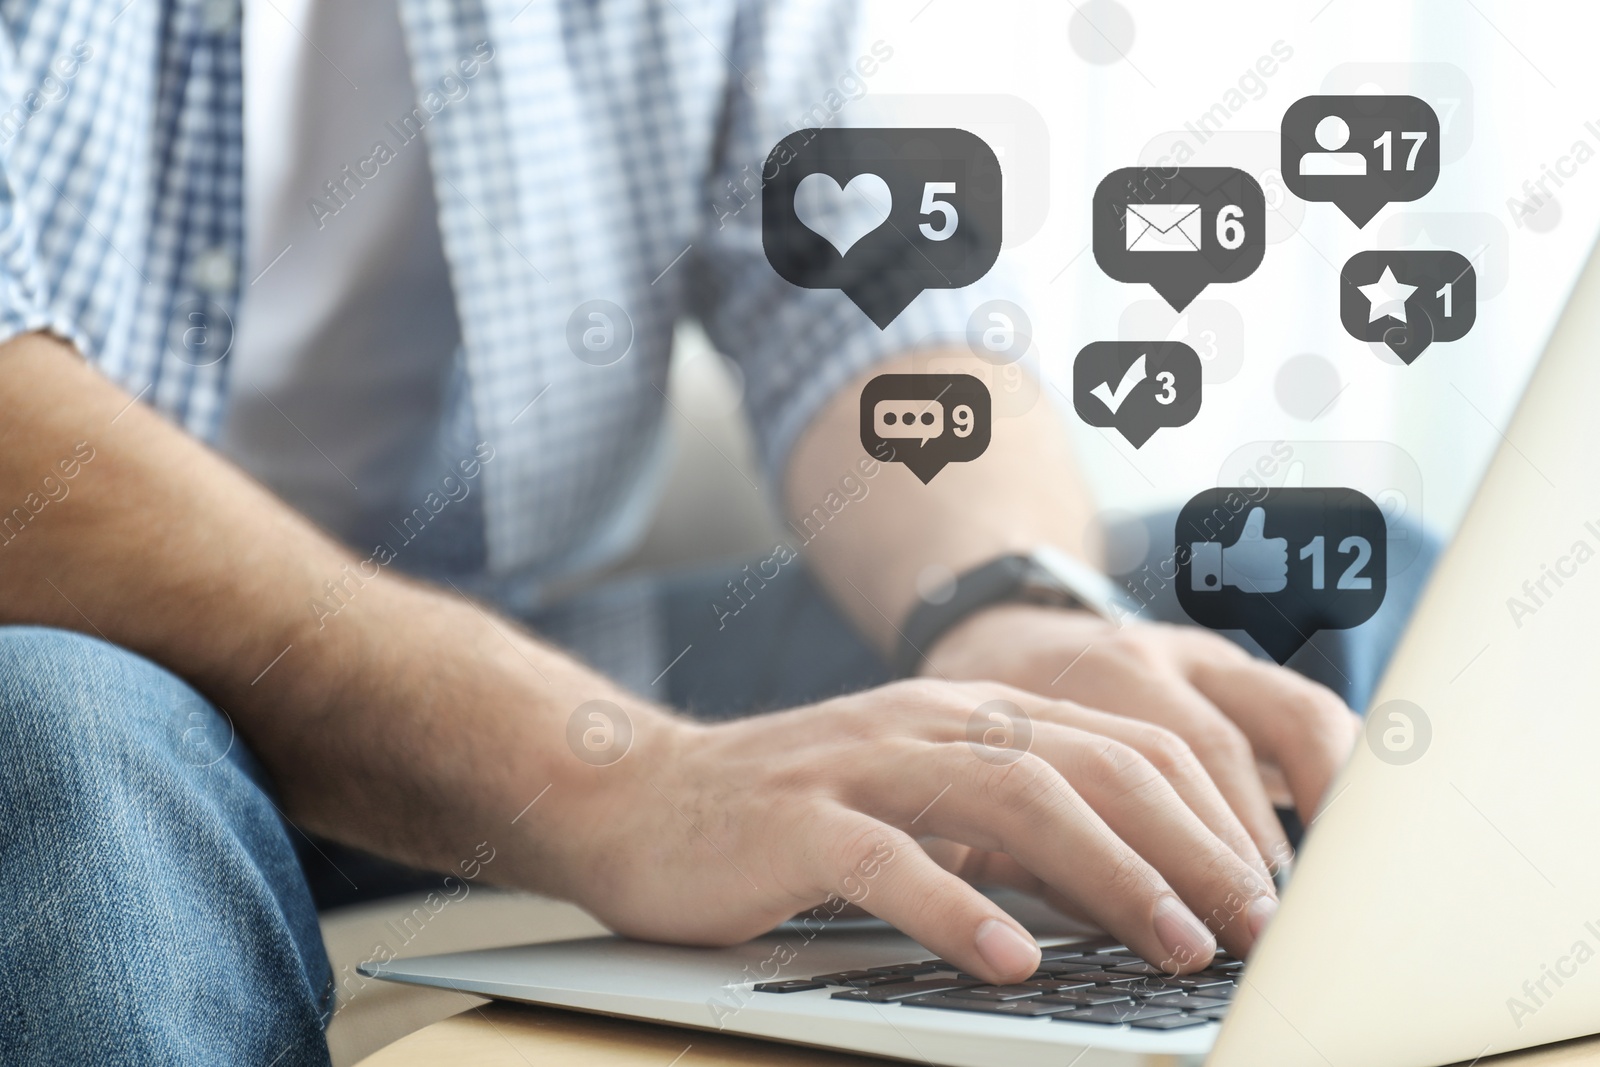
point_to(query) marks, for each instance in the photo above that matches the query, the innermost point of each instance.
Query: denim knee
(166, 916)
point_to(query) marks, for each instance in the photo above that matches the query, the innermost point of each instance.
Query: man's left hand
(1258, 729)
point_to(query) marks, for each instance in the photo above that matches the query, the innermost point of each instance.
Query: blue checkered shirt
(603, 152)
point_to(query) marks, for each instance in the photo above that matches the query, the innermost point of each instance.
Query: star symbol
(1387, 295)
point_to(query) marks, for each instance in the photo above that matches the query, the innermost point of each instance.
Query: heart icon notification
(881, 214)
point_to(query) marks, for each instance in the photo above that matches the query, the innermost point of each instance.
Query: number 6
(1230, 231)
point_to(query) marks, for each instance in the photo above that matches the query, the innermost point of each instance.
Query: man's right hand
(714, 834)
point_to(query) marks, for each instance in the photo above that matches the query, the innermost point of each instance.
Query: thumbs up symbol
(1255, 563)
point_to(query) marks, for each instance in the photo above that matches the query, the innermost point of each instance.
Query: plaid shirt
(603, 152)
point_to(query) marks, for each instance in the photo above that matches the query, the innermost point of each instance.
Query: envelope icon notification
(1215, 216)
(1163, 227)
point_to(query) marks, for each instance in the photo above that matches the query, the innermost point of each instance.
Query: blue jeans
(156, 910)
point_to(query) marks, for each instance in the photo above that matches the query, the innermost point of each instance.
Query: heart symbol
(842, 216)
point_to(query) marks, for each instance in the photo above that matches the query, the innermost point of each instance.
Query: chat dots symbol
(958, 404)
(1398, 732)
(881, 214)
(1360, 152)
(999, 732)
(1179, 229)
(1408, 299)
(1136, 387)
(920, 420)
(599, 332)
(1281, 564)
(599, 732)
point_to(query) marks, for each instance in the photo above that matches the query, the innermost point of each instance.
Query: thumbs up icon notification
(1281, 563)
(1255, 563)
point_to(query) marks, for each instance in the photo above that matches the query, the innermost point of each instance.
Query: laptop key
(1029, 1007)
(1066, 967)
(1087, 998)
(1105, 960)
(907, 970)
(791, 985)
(1169, 1022)
(849, 977)
(998, 992)
(1105, 977)
(1116, 1014)
(1057, 985)
(885, 994)
(1189, 981)
(1138, 968)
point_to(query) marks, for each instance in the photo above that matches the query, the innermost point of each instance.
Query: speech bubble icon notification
(1281, 564)
(1136, 387)
(921, 420)
(881, 214)
(1408, 299)
(1179, 229)
(925, 420)
(1360, 152)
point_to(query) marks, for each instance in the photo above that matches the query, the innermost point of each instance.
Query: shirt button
(214, 272)
(219, 16)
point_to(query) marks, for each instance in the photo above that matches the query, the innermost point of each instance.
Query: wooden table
(506, 1035)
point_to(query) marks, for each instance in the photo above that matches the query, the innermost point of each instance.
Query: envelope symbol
(1162, 227)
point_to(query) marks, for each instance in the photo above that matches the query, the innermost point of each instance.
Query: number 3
(943, 208)
(1168, 394)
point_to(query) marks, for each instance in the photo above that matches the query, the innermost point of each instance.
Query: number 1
(1446, 292)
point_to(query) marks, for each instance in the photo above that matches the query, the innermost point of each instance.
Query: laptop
(1445, 906)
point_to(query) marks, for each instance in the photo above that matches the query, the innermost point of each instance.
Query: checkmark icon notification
(1113, 398)
(1109, 386)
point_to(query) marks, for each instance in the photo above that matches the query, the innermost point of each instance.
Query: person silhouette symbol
(1333, 133)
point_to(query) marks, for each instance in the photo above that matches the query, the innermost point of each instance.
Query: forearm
(1023, 491)
(409, 722)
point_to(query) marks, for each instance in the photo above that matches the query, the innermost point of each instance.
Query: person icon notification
(1332, 134)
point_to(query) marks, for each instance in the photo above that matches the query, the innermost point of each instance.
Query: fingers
(1182, 768)
(1127, 687)
(1288, 719)
(1027, 809)
(1255, 525)
(1143, 807)
(899, 883)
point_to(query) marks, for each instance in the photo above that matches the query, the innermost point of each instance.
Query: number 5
(942, 208)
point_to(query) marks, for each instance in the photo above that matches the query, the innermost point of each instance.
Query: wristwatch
(1046, 576)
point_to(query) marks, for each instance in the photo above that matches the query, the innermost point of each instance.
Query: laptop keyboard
(1100, 983)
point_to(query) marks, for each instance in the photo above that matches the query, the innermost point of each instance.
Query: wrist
(983, 644)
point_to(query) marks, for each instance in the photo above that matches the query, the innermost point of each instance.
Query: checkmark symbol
(1113, 398)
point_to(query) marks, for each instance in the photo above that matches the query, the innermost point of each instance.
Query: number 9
(961, 416)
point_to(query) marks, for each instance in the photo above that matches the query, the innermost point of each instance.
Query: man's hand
(713, 834)
(1256, 728)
